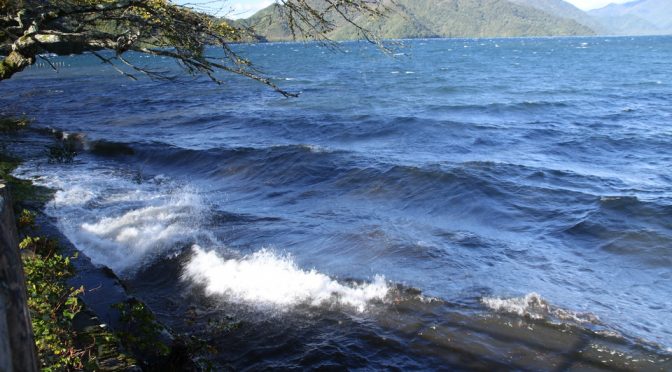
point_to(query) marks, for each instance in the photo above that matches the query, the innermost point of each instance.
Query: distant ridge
(563, 9)
(449, 18)
(640, 17)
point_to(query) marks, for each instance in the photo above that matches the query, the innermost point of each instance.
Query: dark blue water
(498, 203)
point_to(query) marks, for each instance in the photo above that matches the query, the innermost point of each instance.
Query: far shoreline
(444, 38)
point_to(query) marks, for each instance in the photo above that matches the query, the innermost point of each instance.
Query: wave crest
(534, 306)
(265, 279)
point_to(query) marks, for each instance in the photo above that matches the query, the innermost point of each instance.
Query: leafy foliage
(53, 307)
(155, 27)
(52, 304)
(26, 220)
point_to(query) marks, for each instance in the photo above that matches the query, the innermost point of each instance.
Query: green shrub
(52, 304)
(26, 221)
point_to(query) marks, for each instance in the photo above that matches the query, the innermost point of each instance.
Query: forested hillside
(437, 18)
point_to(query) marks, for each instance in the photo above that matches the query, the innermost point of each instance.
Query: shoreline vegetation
(69, 334)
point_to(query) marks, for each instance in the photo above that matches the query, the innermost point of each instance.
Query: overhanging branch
(156, 27)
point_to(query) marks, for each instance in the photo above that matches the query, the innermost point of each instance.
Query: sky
(229, 8)
(245, 8)
(594, 4)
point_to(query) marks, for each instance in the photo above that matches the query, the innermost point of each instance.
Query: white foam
(124, 225)
(77, 195)
(268, 279)
(316, 149)
(534, 306)
(126, 241)
(117, 222)
(531, 305)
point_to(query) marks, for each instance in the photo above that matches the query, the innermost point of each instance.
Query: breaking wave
(267, 279)
(128, 240)
(122, 223)
(534, 306)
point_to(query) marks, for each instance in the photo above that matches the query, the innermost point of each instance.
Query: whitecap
(267, 279)
(534, 306)
(316, 149)
(531, 305)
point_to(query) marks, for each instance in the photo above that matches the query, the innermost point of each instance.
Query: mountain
(563, 9)
(439, 18)
(641, 17)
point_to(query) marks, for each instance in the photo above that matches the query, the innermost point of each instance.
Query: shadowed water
(474, 204)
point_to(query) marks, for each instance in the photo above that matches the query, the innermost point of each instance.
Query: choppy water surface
(465, 203)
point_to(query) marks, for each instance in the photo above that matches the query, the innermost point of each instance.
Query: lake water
(470, 204)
